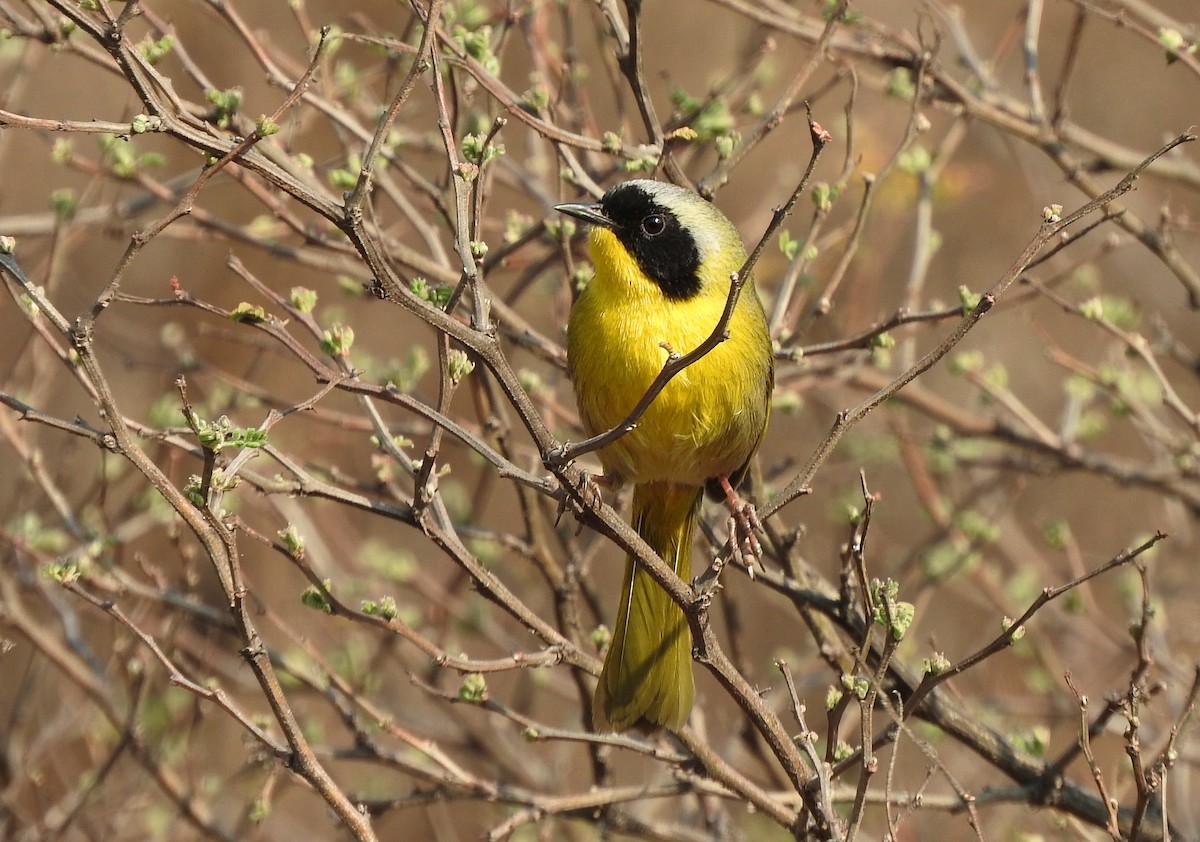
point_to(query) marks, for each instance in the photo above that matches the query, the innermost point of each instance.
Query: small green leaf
(225, 105)
(248, 313)
(459, 365)
(264, 126)
(316, 598)
(823, 196)
(1057, 534)
(153, 51)
(292, 539)
(900, 84)
(1093, 308)
(64, 573)
(935, 664)
(338, 340)
(473, 689)
(385, 607)
(303, 299)
(969, 300)
(64, 203)
(966, 362)
(915, 160)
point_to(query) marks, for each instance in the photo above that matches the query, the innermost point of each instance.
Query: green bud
(385, 607)
(537, 98)
(439, 296)
(900, 84)
(315, 598)
(531, 381)
(1171, 39)
(646, 162)
(515, 225)
(477, 45)
(969, 300)
(977, 527)
(966, 362)
(1014, 633)
(154, 51)
(787, 245)
(459, 365)
(1035, 741)
(338, 340)
(473, 689)
(264, 126)
(259, 810)
(685, 134)
(859, 685)
(935, 664)
(582, 276)
(248, 313)
(303, 299)
(225, 105)
(467, 171)
(478, 151)
(292, 539)
(561, 229)
(63, 572)
(915, 160)
(64, 202)
(823, 196)
(62, 152)
(342, 179)
(1174, 44)
(725, 144)
(1093, 308)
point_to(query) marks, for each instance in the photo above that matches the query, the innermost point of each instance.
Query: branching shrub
(295, 543)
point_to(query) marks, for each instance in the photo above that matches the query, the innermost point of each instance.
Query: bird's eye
(653, 225)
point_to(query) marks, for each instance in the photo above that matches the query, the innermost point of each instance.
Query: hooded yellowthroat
(663, 258)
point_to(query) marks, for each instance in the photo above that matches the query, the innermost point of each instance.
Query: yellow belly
(709, 419)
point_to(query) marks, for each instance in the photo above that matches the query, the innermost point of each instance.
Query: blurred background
(1059, 432)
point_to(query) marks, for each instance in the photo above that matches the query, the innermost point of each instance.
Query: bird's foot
(743, 528)
(557, 457)
(585, 497)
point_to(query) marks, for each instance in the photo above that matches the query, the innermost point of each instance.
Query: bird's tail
(648, 670)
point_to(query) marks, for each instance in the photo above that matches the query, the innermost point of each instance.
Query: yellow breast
(709, 419)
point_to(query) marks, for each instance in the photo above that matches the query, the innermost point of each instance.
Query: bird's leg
(589, 496)
(743, 524)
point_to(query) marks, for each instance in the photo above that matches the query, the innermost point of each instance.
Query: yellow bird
(663, 259)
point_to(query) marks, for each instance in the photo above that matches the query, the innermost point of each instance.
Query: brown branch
(1050, 228)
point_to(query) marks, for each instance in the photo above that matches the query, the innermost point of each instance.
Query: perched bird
(663, 258)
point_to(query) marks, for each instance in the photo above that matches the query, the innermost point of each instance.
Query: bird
(663, 259)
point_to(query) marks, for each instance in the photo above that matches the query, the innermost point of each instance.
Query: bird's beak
(590, 212)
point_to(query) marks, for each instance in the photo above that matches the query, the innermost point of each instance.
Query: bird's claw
(587, 497)
(556, 458)
(747, 550)
(743, 528)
